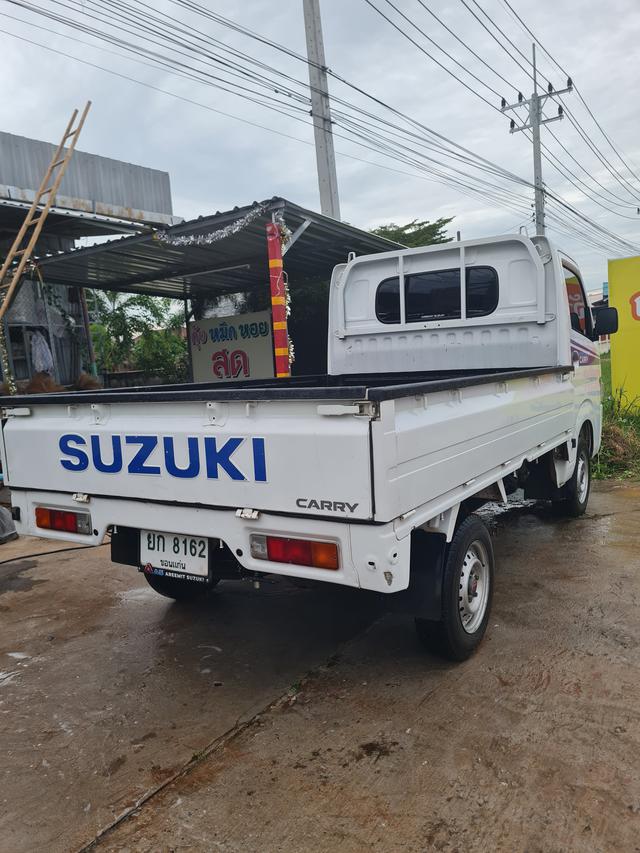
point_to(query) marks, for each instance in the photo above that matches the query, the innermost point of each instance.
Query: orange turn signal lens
(324, 555)
(63, 520)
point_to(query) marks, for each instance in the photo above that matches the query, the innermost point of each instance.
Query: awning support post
(278, 302)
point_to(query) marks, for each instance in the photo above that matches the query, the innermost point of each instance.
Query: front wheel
(179, 590)
(467, 591)
(576, 491)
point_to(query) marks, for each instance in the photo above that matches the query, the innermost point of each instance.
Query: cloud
(217, 162)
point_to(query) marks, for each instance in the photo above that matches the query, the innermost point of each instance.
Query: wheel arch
(589, 422)
(587, 430)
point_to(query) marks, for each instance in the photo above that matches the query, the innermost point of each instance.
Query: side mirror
(606, 321)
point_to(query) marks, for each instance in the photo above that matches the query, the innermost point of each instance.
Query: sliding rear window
(435, 295)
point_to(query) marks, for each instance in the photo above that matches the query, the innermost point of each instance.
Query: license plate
(174, 555)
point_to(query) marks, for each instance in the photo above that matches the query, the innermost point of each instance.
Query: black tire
(179, 590)
(575, 493)
(449, 637)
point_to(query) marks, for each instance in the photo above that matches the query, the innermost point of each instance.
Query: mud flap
(540, 483)
(423, 596)
(125, 546)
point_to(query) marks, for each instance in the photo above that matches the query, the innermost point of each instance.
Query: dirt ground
(298, 720)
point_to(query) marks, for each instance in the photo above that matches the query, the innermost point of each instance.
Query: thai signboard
(226, 349)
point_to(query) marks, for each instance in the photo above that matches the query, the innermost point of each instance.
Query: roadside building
(99, 197)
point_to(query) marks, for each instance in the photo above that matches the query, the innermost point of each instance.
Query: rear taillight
(297, 552)
(63, 520)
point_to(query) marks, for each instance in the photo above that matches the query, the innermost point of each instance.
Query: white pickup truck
(457, 374)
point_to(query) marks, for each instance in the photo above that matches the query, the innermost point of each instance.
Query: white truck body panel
(434, 443)
(366, 551)
(521, 332)
(306, 455)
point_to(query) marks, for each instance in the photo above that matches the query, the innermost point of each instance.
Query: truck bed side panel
(428, 445)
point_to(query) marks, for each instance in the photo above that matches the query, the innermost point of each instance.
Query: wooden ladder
(33, 223)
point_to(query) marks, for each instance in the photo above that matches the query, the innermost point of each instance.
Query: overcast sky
(217, 162)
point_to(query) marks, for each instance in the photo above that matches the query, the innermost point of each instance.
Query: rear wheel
(576, 491)
(467, 591)
(179, 590)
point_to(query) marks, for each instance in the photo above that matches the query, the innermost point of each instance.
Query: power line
(435, 44)
(190, 4)
(406, 18)
(610, 168)
(438, 137)
(180, 71)
(461, 153)
(578, 92)
(540, 193)
(496, 39)
(466, 46)
(594, 148)
(616, 198)
(206, 106)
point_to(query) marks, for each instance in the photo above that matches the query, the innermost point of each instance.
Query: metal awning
(225, 253)
(66, 224)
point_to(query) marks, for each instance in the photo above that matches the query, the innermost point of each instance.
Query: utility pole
(535, 104)
(321, 111)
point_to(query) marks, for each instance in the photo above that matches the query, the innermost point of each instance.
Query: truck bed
(374, 387)
(356, 449)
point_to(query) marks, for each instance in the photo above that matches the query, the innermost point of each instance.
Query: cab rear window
(436, 295)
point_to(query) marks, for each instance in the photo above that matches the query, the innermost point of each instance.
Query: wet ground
(289, 719)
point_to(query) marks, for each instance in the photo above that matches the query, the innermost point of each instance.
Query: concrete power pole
(535, 105)
(535, 117)
(321, 111)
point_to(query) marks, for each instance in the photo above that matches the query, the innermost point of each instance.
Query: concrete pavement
(109, 691)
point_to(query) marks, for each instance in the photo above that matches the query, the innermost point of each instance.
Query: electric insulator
(504, 103)
(550, 88)
(520, 97)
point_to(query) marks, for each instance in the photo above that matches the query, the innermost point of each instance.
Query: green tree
(119, 318)
(163, 353)
(419, 232)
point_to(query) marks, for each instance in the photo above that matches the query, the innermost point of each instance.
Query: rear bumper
(371, 555)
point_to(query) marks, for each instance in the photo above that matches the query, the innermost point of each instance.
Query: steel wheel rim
(473, 587)
(582, 477)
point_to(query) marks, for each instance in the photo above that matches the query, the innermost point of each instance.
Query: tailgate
(280, 456)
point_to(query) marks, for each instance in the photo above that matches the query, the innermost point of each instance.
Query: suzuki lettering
(138, 454)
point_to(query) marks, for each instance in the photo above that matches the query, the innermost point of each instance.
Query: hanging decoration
(213, 236)
(285, 231)
(285, 237)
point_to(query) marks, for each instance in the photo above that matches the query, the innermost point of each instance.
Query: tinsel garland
(212, 236)
(285, 236)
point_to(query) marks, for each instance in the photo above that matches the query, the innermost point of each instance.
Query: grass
(620, 451)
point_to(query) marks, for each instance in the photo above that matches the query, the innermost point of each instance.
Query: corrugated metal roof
(91, 183)
(68, 224)
(238, 262)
